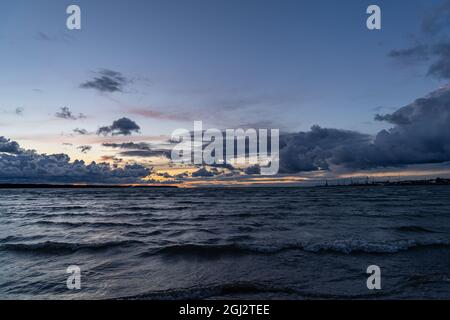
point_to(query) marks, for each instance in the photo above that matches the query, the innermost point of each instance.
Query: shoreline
(326, 184)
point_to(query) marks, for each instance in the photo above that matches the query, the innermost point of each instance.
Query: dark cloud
(85, 149)
(65, 113)
(9, 146)
(203, 172)
(437, 55)
(313, 150)
(123, 126)
(128, 145)
(222, 165)
(140, 149)
(164, 175)
(434, 46)
(420, 135)
(82, 132)
(182, 175)
(253, 170)
(394, 118)
(106, 81)
(440, 68)
(25, 166)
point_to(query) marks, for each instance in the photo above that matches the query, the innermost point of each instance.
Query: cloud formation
(317, 149)
(123, 126)
(81, 132)
(140, 149)
(26, 166)
(434, 46)
(111, 159)
(8, 146)
(65, 113)
(253, 170)
(129, 145)
(420, 135)
(204, 173)
(85, 149)
(106, 81)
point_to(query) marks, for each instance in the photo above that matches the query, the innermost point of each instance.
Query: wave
(206, 251)
(93, 224)
(338, 246)
(64, 208)
(65, 247)
(241, 289)
(20, 238)
(414, 229)
(150, 209)
(362, 246)
(208, 291)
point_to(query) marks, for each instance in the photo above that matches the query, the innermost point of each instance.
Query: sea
(225, 243)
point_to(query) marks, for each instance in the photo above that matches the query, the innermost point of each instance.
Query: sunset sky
(345, 98)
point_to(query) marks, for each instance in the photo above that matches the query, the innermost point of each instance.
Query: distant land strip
(76, 186)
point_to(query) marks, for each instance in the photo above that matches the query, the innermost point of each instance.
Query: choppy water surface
(282, 243)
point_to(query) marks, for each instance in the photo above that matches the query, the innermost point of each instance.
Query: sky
(137, 70)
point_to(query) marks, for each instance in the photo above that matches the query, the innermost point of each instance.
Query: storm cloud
(123, 126)
(317, 149)
(420, 135)
(26, 166)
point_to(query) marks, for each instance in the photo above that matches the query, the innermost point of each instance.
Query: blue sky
(290, 64)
